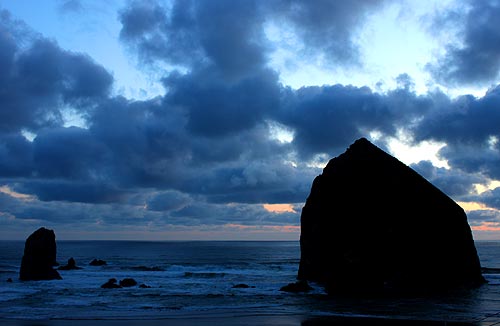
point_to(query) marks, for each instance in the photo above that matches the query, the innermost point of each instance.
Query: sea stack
(39, 257)
(371, 224)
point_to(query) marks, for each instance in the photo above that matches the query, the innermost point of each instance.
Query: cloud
(326, 28)
(168, 201)
(216, 108)
(207, 151)
(471, 132)
(454, 182)
(16, 155)
(231, 36)
(39, 79)
(70, 6)
(222, 33)
(476, 57)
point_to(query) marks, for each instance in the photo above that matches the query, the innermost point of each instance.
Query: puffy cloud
(469, 127)
(326, 28)
(231, 35)
(222, 33)
(216, 108)
(39, 79)
(454, 182)
(327, 119)
(476, 59)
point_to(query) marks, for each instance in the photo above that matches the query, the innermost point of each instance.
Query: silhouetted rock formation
(128, 282)
(242, 286)
(70, 266)
(97, 262)
(372, 224)
(111, 284)
(39, 257)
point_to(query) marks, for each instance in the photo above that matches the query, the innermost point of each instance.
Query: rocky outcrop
(128, 282)
(111, 284)
(373, 224)
(70, 266)
(39, 257)
(97, 262)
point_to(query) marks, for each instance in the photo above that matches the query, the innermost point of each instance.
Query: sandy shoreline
(265, 320)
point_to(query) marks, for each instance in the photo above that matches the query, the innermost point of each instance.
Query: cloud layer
(209, 151)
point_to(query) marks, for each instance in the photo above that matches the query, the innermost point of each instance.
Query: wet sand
(268, 320)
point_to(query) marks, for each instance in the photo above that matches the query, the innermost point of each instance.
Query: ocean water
(197, 278)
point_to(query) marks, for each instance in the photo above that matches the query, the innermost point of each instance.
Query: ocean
(198, 278)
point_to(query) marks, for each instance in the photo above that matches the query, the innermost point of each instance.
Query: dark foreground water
(197, 278)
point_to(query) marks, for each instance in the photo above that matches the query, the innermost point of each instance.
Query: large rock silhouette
(39, 257)
(372, 224)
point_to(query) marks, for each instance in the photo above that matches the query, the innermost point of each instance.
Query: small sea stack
(39, 257)
(70, 266)
(97, 262)
(371, 224)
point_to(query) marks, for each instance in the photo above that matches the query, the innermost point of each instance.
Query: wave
(204, 274)
(147, 269)
(487, 270)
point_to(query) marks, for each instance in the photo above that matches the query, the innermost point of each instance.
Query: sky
(208, 120)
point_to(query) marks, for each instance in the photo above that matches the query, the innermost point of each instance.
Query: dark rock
(70, 266)
(97, 262)
(373, 224)
(128, 282)
(144, 286)
(9, 280)
(39, 257)
(111, 284)
(242, 286)
(297, 287)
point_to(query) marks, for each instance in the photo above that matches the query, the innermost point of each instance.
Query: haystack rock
(39, 257)
(372, 224)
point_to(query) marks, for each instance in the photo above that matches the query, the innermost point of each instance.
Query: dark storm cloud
(39, 78)
(230, 35)
(216, 108)
(16, 155)
(470, 128)
(327, 119)
(326, 27)
(223, 33)
(477, 58)
(453, 182)
(73, 191)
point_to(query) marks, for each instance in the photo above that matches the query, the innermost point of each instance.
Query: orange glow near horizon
(279, 208)
(261, 228)
(487, 226)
